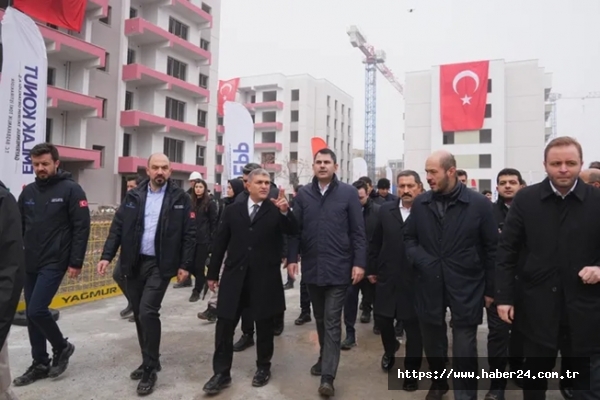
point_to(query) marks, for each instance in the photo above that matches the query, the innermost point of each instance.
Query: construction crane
(554, 97)
(374, 61)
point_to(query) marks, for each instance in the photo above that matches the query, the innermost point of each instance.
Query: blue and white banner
(23, 98)
(238, 140)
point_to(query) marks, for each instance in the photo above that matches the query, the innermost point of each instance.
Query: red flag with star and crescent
(227, 92)
(463, 95)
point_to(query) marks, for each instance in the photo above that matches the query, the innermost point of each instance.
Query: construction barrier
(89, 286)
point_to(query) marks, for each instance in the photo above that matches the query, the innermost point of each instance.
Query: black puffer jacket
(207, 218)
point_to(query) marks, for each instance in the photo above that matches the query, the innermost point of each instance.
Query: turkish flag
(68, 14)
(227, 92)
(463, 95)
(317, 144)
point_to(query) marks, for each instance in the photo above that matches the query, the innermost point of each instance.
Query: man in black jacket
(371, 215)
(451, 240)
(247, 338)
(56, 228)
(556, 221)
(156, 231)
(12, 275)
(251, 234)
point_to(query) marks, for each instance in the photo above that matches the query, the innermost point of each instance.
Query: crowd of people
(424, 260)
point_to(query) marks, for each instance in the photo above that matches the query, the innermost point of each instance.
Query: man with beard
(502, 340)
(56, 228)
(556, 221)
(451, 239)
(156, 231)
(392, 274)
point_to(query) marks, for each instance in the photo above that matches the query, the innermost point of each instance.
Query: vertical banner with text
(238, 140)
(23, 98)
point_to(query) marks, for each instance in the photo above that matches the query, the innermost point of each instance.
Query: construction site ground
(107, 351)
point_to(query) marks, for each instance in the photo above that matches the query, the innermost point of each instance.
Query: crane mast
(374, 61)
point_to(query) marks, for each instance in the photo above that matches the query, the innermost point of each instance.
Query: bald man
(591, 176)
(450, 240)
(156, 231)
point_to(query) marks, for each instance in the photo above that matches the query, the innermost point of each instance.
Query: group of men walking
(530, 260)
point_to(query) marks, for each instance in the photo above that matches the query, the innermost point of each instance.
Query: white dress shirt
(251, 205)
(404, 211)
(559, 193)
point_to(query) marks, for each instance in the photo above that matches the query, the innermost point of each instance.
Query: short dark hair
(384, 183)
(137, 178)
(486, 191)
(250, 167)
(326, 152)
(409, 172)
(45, 148)
(595, 165)
(298, 187)
(461, 172)
(360, 184)
(511, 172)
(366, 180)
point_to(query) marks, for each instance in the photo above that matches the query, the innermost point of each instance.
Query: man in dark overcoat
(558, 222)
(251, 233)
(451, 240)
(393, 277)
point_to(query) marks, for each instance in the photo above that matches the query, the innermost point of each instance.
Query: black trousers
(248, 321)
(414, 341)
(223, 357)
(368, 294)
(498, 343)
(120, 280)
(146, 291)
(199, 266)
(304, 298)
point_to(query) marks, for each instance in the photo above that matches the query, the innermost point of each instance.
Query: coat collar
(464, 195)
(547, 191)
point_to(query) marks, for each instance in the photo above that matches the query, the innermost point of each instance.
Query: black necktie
(254, 211)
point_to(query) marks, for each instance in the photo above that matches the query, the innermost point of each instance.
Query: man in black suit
(392, 274)
(251, 233)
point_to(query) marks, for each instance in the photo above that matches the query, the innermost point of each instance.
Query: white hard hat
(195, 175)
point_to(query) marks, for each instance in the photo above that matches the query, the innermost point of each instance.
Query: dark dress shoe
(195, 296)
(376, 330)
(148, 381)
(278, 330)
(217, 383)
(126, 312)
(288, 285)
(437, 391)
(138, 373)
(244, 342)
(261, 377)
(326, 388)
(410, 385)
(365, 316)
(303, 319)
(316, 369)
(387, 362)
(566, 391)
(348, 343)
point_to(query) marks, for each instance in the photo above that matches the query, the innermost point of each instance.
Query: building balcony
(220, 129)
(268, 146)
(548, 133)
(219, 168)
(142, 32)
(548, 110)
(266, 105)
(144, 76)
(220, 149)
(192, 12)
(276, 126)
(91, 158)
(140, 119)
(131, 165)
(70, 48)
(272, 167)
(96, 8)
(66, 100)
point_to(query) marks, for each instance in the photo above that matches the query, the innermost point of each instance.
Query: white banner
(23, 98)
(238, 140)
(359, 168)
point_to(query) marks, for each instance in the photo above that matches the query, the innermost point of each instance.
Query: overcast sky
(309, 36)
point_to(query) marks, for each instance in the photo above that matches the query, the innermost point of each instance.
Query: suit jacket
(253, 259)
(395, 292)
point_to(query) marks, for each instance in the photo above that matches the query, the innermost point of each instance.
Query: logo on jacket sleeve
(83, 203)
(192, 215)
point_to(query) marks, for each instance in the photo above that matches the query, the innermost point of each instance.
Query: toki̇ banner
(23, 98)
(238, 140)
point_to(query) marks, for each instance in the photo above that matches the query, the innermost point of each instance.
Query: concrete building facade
(515, 129)
(287, 112)
(140, 78)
